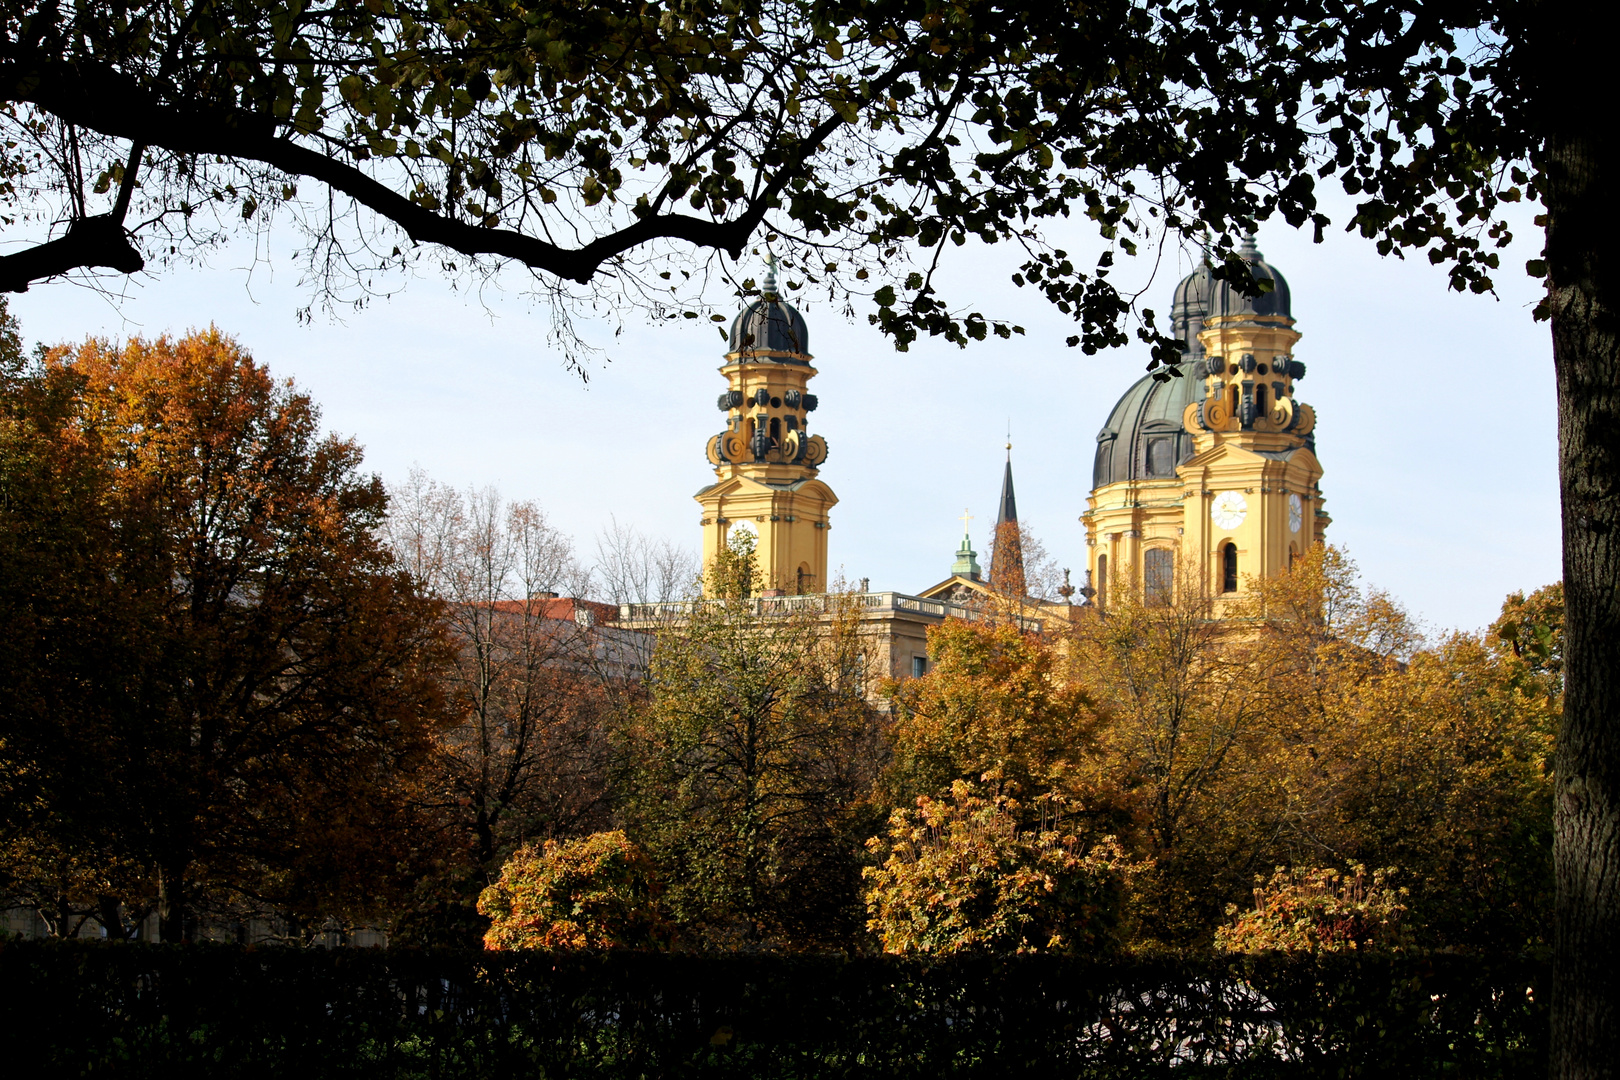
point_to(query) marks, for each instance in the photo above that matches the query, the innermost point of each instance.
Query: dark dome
(1229, 301)
(1143, 438)
(1189, 308)
(770, 323)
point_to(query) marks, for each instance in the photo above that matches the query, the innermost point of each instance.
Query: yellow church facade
(1209, 477)
(1202, 480)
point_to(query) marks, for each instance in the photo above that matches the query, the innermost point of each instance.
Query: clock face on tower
(1229, 509)
(1296, 513)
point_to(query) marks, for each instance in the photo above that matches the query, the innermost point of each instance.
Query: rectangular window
(919, 666)
(1161, 457)
(1158, 575)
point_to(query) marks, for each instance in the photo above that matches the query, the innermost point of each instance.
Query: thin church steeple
(1009, 502)
(1007, 553)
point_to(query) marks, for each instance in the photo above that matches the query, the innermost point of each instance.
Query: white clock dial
(1229, 509)
(1296, 513)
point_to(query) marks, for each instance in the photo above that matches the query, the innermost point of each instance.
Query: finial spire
(1250, 245)
(770, 273)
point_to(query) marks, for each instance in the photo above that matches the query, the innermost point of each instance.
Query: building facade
(1209, 476)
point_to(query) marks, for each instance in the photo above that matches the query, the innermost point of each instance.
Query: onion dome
(1225, 300)
(1143, 438)
(770, 324)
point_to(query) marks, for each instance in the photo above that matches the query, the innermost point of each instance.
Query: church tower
(1213, 471)
(765, 460)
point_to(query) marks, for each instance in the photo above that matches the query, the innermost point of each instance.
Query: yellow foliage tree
(994, 711)
(1191, 743)
(597, 892)
(1314, 725)
(965, 875)
(1434, 757)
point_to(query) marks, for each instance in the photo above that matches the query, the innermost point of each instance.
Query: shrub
(599, 892)
(1318, 910)
(961, 876)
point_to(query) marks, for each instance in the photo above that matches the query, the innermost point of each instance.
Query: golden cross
(966, 517)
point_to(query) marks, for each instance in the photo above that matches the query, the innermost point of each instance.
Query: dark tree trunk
(1583, 255)
(172, 926)
(110, 914)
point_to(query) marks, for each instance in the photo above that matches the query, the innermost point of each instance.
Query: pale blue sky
(1436, 416)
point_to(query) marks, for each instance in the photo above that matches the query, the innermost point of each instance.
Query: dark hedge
(223, 1012)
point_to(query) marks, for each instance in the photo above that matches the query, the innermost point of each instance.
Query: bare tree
(527, 677)
(634, 568)
(1037, 576)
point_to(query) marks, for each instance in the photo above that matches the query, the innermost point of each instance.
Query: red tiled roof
(561, 607)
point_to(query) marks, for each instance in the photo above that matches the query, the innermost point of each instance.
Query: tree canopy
(1185, 756)
(620, 146)
(749, 769)
(219, 686)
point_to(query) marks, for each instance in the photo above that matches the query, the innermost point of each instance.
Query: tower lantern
(765, 459)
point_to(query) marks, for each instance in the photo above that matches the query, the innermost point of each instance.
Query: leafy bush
(599, 892)
(1318, 910)
(962, 876)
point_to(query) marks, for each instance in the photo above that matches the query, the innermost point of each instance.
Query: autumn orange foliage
(1311, 726)
(247, 687)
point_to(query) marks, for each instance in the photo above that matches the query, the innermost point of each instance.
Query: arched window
(1102, 581)
(1229, 568)
(776, 431)
(1158, 575)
